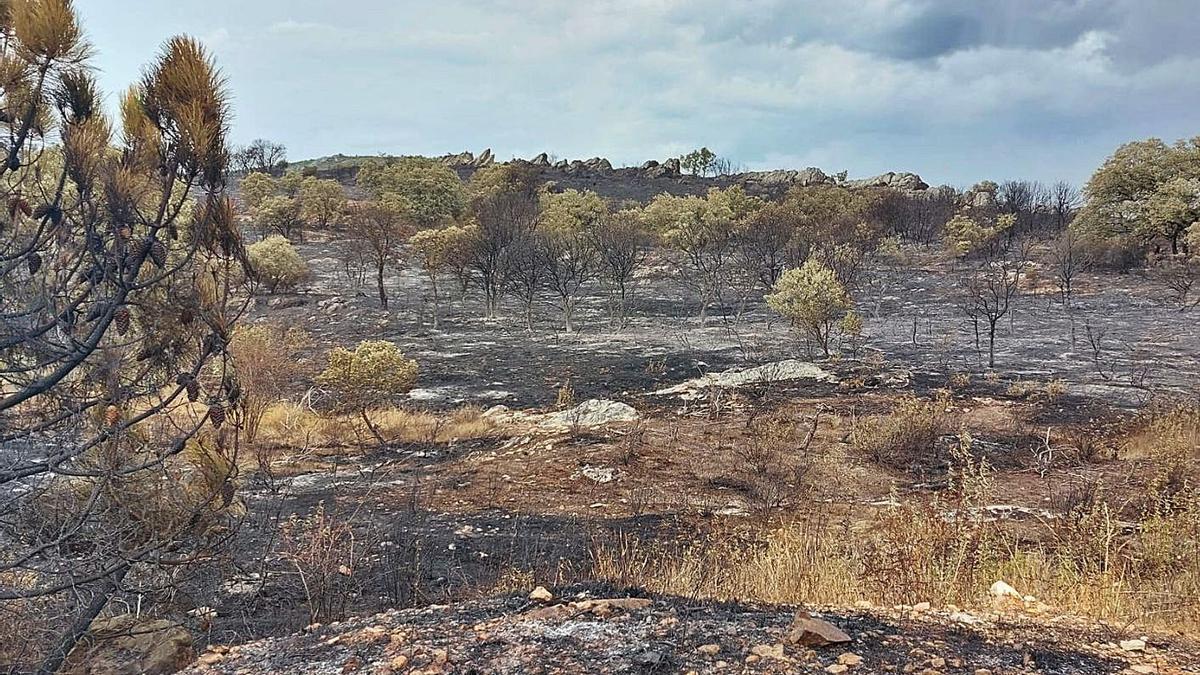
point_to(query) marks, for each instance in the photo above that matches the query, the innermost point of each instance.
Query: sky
(955, 90)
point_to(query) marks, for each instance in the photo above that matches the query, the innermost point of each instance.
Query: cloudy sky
(956, 90)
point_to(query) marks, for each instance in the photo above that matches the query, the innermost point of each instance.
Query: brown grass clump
(300, 428)
(905, 438)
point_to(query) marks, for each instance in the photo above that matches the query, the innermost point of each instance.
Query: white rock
(791, 369)
(1001, 589)
(540, 594)
(591, 413)
(1133, 645)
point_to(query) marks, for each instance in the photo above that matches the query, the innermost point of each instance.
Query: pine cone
(35, 262)
(186, 317)
(216, 415)
(193, 390)
(112, 416)
(122, 318)
(158, 254)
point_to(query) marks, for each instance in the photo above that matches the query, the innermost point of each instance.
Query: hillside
(593, 629)
(640, 183)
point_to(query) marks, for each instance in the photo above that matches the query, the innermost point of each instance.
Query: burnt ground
(441, 524)
(578, 631)
(1140, 340)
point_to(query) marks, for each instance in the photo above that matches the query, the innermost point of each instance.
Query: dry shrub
(906, 438)
(773, 460)
(1168, 439)
(325, 554)
(300, 428)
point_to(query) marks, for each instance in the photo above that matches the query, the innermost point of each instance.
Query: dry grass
(915, 553)
(299, 427)
(1089, 562)
(904, 438)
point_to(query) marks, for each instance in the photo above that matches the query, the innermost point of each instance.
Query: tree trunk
(373, 429)
(992, 344)
(436, 301)
(379, 282)
(78, 629)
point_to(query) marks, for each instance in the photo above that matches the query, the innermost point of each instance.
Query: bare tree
(503, 221)
(622, 244)
(1064, 202)
(115, 310)
(1069, 260)
(571, 262)
(525, 273)
(260, 156)
(990, 291)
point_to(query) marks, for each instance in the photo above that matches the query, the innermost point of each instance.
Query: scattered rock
(540, 594)
(286, 302)
(850, 659)
(598, 474)
(1134, 645)
(484, 159)
(709, 649)
(542, 160)
(791, 369)
(590, 413)
(127, 645)
(1001, 589)
(811, 632)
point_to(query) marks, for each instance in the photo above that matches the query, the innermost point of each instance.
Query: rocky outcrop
(909, 182)
(783, 179)
(542, 160)
(590, 413)
(485, 159)
(779, 371)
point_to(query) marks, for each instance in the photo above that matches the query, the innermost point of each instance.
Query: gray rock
(561, 164)
(542, 160)
(485, 159)
(287, 302)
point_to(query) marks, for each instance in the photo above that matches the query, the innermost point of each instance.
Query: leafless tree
(990, 291)
(622, 244)
(571, 262)
(117, 274)
(260, 156)
(525, 273)
(1069, 260)
(1064, 202)
(504, 220)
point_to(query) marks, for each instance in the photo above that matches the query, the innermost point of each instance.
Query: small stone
(982, 671)
(850, 659)
(810, 632)
(937, 662)
(1133, 645)
(921, 607)
(1001, 589)
(399, 663)
(1144, 669)
(836, 668)
(768, 651)
(709, 650)
(540, 594)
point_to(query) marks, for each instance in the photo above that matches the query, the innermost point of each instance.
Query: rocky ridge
(757, 182)
(597, 629)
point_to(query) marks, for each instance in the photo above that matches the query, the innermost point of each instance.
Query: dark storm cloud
(955, 89)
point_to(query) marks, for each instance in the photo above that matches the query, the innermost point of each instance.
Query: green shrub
(277, 263)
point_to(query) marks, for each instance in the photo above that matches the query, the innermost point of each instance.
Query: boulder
(127, 645)
(591, 413)
(671, 166)
(485, 159)
(807, 631)
(598, 165)
(576, 167)
(542, 160)
(286, 302)
(561, 164)
(791, 369)
(461, 159)
(648, 165)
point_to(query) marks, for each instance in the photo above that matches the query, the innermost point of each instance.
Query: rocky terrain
(599, 629)
(642, 182)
